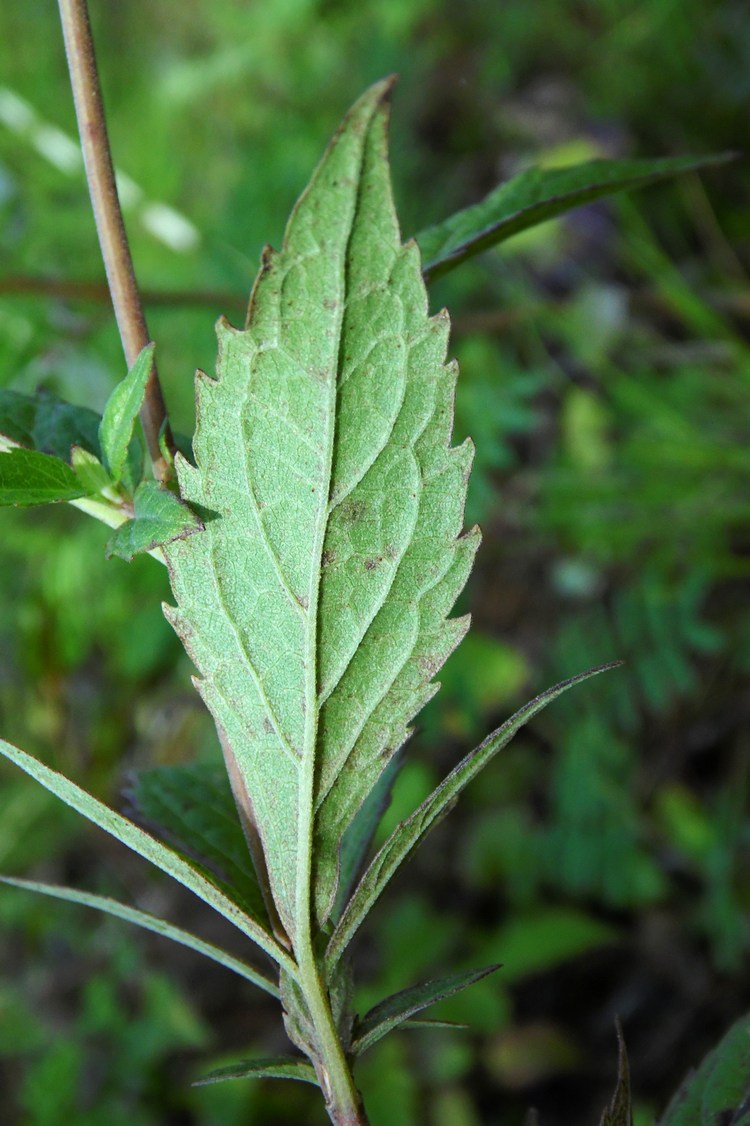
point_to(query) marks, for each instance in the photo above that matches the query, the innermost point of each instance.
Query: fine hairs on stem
(113, 240)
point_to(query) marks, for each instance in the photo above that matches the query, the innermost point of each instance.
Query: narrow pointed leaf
(537, 195)
(150, 923)
(357, 839)
(281, 1067)
(396, 1010)
(121, 411)
(620, 1110)
(46, 423)
(148, 847)
(315, 604)
(719, 1090)
(160, 517)
(410, 832)
(28, 477)
(192, 808)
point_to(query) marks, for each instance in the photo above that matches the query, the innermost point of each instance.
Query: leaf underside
(314, 604)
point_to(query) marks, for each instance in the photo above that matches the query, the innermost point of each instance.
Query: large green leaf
(410, 832)
(535, 196)
(396, 1010)
(148, 847)
(719, 1091)
(314, 604)
(46, 423)
(150, 923)
(192, 808)
(28, 477)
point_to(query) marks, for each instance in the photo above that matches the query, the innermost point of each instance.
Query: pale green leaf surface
(315, 604)
(280, 1067)
(192, 808)
(89, 471)
(150, 923)
(719, 1090)
(148, 847)
(397, 1010)
(160, 517)
(536, 195)
(28, 477)
(410, 832)
(121, 411)
(47, 423)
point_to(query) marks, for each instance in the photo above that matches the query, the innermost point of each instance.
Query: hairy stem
(113, 240)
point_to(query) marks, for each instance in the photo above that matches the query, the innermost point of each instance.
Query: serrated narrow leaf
(192, 808)
(47, 423)
(719, 1090)
(160, 517)
(121, 411)
(28, 477)
(150, 923)
(315, 604)
(396, 1010)
(410, 832)
(149, 848)
(280, 1067)
(536, 195)
(620, 1109)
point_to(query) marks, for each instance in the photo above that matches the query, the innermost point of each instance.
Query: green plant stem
(343, 1101)
(113, 240)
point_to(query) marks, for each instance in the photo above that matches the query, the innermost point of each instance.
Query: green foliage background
(604, 379)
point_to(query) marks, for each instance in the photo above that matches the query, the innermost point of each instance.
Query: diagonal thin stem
(113, 240)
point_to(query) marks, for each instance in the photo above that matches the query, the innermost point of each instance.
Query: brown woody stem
(113, 240)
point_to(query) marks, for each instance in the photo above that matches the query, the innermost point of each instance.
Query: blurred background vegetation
(605, 371)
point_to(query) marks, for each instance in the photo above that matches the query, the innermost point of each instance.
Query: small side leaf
(47, 423)
(535, 196)
(358, 837)
(160, 518)
(719, 1091)
(192, 808)
(410, 832)
(620, 1110)
(28, 477)
(280, 1067)
(121, 411)
(149, 848)
(89, 471)
(397, 1010)
(150, 923)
